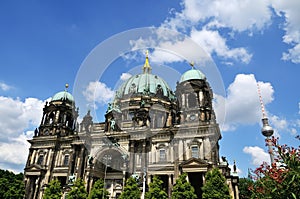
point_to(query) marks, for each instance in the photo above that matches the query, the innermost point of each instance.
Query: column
(81, 160)
(143, 156)
(207, 149)
(176, 160)
(33, 157)
(170, 185)
(201, 150)
(201, 98)
(184, 150)
(131, 158)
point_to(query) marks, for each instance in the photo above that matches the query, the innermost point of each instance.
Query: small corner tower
(59, 115)
(55, 151)
(195, 111)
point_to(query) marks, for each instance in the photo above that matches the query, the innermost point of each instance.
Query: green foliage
(215, 186)
(53, 190)
(244, 184)
(183, 189)
(281, 179)
(156, 190)
(11, 185)
(78, 190)
(131, 190)
(98, 190)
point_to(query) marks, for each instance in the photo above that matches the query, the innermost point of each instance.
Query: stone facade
(148, 130)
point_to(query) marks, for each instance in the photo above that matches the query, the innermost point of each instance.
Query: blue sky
(45, 43)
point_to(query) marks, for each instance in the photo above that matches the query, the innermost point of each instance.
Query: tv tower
(266, 130)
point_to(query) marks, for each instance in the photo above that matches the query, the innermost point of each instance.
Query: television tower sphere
(266, 130)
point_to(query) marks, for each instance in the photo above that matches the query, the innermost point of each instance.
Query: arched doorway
(110, 165)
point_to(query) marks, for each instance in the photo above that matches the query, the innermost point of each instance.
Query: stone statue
(36, 132)
(109, 107)
(112, 124)
(72, 178)
(90, 160)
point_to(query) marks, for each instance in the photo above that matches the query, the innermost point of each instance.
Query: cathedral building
(149, 130)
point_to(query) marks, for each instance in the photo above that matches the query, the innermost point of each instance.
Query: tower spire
(261, 101)
(266, 130)
(147, 68)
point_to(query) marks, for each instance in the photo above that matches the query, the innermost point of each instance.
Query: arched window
(66, 160)
(195, 151)
(162, 155)
(192, 101)
(40, 159)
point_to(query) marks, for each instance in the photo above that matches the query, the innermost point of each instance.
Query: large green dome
(145, 83)
(62, 96)
(191, 75)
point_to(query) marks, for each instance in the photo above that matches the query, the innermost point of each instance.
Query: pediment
(194, 162)
(34, 167)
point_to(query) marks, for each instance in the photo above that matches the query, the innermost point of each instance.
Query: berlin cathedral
(149, 130)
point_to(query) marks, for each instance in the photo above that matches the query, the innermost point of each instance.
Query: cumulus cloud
(202, 21)
(209, 17)
(98, 92)
(213, 42)
(16, 150)
(17, 115)
(238, 15)
(242, 97)
(169, 46)
(258, 155)
(4, 86)
(125, 76)
(289, 10)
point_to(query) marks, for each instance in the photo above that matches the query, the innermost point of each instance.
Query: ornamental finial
(147, 68)
(66, 86)
(192, 64)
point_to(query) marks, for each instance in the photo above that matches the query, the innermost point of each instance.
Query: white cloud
(240, 15)
(170, 46)
(242, 102)
(16, 116)
(4, 87)
(16, 150)
(213, 42)
(258, 155)
(290, 11)
(279, 123)
(125, 76)
(98, 92)
(293, 54)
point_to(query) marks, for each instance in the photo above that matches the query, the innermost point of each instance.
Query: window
(195, 151)
(162, 155)
(40, 160)
(66, 160)
(192, 101)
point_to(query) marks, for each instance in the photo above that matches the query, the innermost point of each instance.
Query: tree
(131, 189)
(281, 179)
(53, 190)
(156, 190)
(78, 190)
(244, 191)
(11, 185)
(215, 186)
(183, 189)
(98, 190)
